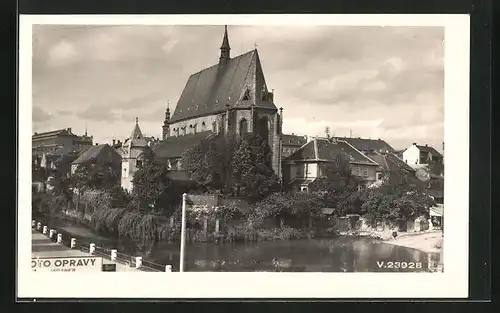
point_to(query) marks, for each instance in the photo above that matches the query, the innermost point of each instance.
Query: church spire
(225, 48)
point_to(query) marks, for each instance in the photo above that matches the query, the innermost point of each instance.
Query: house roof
(364, 144)
(389, 162)
(64, 131)
(92, 153)
(210, 90)
(136, 138)
(174, 147)
(293, 140)
(428, 149)
(321, 149)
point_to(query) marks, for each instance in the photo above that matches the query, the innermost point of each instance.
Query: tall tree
(152, 185)
(96, 176)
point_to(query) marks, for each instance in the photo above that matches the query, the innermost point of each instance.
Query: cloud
(62, 53)
(39, 115)
(383, 82)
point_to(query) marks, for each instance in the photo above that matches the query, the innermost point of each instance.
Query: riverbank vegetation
(230, 168)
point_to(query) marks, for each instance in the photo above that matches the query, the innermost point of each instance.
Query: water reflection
(343, 254)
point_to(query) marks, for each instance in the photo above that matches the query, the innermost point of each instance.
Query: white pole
(183, 233)
(138, 262)
(73, 243)
(168, 268)
(92, 248)
(113, 254)
(59, 238)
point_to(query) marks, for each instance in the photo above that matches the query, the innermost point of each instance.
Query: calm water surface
(342, 254)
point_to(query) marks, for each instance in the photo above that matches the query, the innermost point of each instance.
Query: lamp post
(183, 233)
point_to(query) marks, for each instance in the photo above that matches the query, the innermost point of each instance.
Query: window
(303, 189)
(365, 172)
(138, 163)
(246, 96)
(379, 176)
(243, 127)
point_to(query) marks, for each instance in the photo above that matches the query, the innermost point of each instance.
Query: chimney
(114, 141)
(414, 143)
(426, 145)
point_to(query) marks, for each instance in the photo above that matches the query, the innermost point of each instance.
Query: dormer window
(246, 95)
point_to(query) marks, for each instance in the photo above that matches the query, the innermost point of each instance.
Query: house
(389, 163)
(308, 163)
(418, 156)
(367, 145)
(291, 143)
(98, 154)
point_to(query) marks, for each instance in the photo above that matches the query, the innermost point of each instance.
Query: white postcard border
(452, 283)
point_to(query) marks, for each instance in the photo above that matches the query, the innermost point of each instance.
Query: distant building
(368, 145)
(53, 141)
(418, 157)
(291, 143)
(58, 148)
(131, 151)
(98, 154)
(389, 163)
(308, 163)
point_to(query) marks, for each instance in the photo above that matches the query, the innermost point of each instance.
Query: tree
(152, 187)
(96, 176)
(252, 174)
(232, 166)
(209, 162)
(400, 197)
(300, 205)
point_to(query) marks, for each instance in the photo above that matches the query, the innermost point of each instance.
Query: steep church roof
(238, 82)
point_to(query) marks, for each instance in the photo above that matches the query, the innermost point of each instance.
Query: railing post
(168, 268)
(73, 243)
(138, 262)
(45, 230)
(92, 248)
(113, 254)
(33, 223)
(183, 232)
(38, 226)
(51, 234)
(59, 238)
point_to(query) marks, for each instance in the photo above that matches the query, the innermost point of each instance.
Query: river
(342, 254)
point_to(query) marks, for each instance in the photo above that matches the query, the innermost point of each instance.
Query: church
(228, 98)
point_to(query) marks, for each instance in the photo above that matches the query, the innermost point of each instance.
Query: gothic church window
(243, 127)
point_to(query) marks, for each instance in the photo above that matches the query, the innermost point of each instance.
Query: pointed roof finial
(85, 130)
(137, 120)
(224, 48)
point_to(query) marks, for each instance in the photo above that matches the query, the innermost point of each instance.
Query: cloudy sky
(376, 82)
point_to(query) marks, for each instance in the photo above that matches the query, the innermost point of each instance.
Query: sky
(371, 82)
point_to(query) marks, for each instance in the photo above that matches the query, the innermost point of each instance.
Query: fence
(79, 243)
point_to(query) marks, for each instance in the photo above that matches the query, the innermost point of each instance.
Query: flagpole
(183, 233)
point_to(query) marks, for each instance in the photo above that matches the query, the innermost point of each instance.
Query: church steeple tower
(166, 123)
(225, 48)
